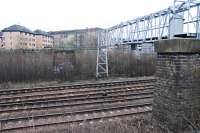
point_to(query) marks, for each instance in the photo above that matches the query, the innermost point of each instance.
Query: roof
(40, 32)
(74, 31)
(17, 28)
(62, 32)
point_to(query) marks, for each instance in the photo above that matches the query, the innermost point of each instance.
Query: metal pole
(174, 15)
(188, 17)
(198, 23)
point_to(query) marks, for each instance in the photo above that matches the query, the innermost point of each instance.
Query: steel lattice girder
(149, 28)
(152, 27)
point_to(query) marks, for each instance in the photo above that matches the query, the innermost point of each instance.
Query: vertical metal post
(159, 29)
(155, 28)
(174, 15)
(198, 23)
(137, 31)
(188, 17)
(151, 20)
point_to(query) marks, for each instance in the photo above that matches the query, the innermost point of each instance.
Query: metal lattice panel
(102, 57)
(155, 26)
(183, 18)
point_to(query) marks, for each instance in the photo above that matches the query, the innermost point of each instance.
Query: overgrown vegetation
(25, 66)
(19, 65)
(126, 63)
(125, 125)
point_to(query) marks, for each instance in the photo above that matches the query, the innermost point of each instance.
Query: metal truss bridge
(180, 20)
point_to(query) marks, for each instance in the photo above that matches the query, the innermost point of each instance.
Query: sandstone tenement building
(20, 37)
(81, 38)
(43, 39)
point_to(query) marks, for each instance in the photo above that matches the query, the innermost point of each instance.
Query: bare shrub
(20, 65)
(122, 63)
(85, 66)
(120, 125)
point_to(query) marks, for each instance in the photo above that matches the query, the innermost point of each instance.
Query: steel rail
(13, 112)
(75, 86)
(75, 121)
(14, 120)
(74, 94)
(69, 100)
(59, 93)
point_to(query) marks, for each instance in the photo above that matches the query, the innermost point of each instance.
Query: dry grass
(128, 64)
(125, 125)
(20, 66)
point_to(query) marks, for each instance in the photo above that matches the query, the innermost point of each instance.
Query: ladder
(102, 55)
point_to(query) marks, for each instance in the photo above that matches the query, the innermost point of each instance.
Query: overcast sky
(52, 15)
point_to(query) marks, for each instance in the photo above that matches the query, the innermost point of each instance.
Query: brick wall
(177, 90)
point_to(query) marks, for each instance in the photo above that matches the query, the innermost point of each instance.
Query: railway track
(75, 86)
(74, 93)
(57, 105)
(31, 108)
(80, 105)
(21, 123)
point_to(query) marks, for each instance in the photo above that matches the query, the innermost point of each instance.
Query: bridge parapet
(176, 98)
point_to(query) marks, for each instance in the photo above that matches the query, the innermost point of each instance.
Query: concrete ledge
(178, 46)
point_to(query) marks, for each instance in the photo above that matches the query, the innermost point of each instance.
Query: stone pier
(177, 90)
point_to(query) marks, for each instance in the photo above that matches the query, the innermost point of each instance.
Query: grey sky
(74, 14)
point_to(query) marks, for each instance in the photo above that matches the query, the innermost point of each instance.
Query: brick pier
(177, 90)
